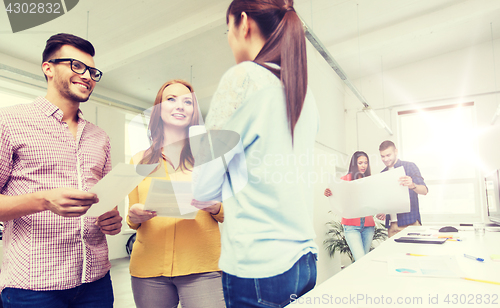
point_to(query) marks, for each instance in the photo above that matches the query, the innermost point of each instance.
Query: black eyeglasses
(80, 68)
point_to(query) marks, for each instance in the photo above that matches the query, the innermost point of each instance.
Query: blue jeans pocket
(280, 290)
(276, 291)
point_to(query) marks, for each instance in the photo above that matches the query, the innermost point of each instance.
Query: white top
(267, 194)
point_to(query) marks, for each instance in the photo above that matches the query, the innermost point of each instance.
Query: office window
(441, 141)
(136, 139)
(136, 134)
(8, 99)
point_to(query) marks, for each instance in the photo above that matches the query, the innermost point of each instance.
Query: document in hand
(171, 199)
(116, 185)
(379, 193)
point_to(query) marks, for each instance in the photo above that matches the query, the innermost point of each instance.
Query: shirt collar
(397, 164)
(50, 109)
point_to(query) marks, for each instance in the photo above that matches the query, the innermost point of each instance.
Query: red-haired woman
(173, 259)
(268, 253)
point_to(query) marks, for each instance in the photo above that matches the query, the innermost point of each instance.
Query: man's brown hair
(55, 42)
(385, 145)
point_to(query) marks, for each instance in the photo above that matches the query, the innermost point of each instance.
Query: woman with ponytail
(268, 255)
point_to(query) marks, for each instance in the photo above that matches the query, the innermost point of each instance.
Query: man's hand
(213, 207)
(380, 216)
(328, 192)
(407, 181)
(137, 214)
(68, 202)
(110, 222)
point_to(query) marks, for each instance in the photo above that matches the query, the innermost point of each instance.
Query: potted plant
(336, 240)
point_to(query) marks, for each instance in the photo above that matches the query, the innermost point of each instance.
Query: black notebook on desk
(420, 240)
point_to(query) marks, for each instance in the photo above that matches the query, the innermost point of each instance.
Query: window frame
(475, 181)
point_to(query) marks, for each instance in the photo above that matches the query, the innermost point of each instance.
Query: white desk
(366, 283)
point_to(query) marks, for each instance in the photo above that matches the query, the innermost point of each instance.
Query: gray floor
(121, 283)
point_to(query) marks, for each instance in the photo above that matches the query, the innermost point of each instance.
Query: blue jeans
(275, 291)
(359, 238)
(97, 294)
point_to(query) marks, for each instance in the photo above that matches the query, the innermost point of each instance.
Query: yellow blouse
(167, 246)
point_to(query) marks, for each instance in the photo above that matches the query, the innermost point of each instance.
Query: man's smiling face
(69, 84)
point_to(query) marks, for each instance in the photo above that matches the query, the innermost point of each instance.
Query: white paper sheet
(377, 194)
(116, 185)
(427, 266)
(171, 199)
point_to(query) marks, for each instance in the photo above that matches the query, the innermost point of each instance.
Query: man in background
(416, 186)
(50, 157)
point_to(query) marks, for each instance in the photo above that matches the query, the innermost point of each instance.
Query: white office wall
(328, 91)
(112, 120)
(324, 162)
(466, 75)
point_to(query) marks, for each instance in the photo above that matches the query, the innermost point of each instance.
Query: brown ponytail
(285, 46)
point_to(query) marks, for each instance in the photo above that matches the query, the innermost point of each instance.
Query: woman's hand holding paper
(138, 215)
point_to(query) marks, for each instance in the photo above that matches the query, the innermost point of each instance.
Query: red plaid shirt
(44, 251)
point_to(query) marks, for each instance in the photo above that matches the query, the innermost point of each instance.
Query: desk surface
(367, 283)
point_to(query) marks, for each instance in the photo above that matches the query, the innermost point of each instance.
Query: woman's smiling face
(177, 105)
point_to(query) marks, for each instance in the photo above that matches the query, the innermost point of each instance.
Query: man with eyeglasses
(50, 157)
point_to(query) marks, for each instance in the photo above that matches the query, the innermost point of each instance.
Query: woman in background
(358, 232)
(268, 253)
(174, 259)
